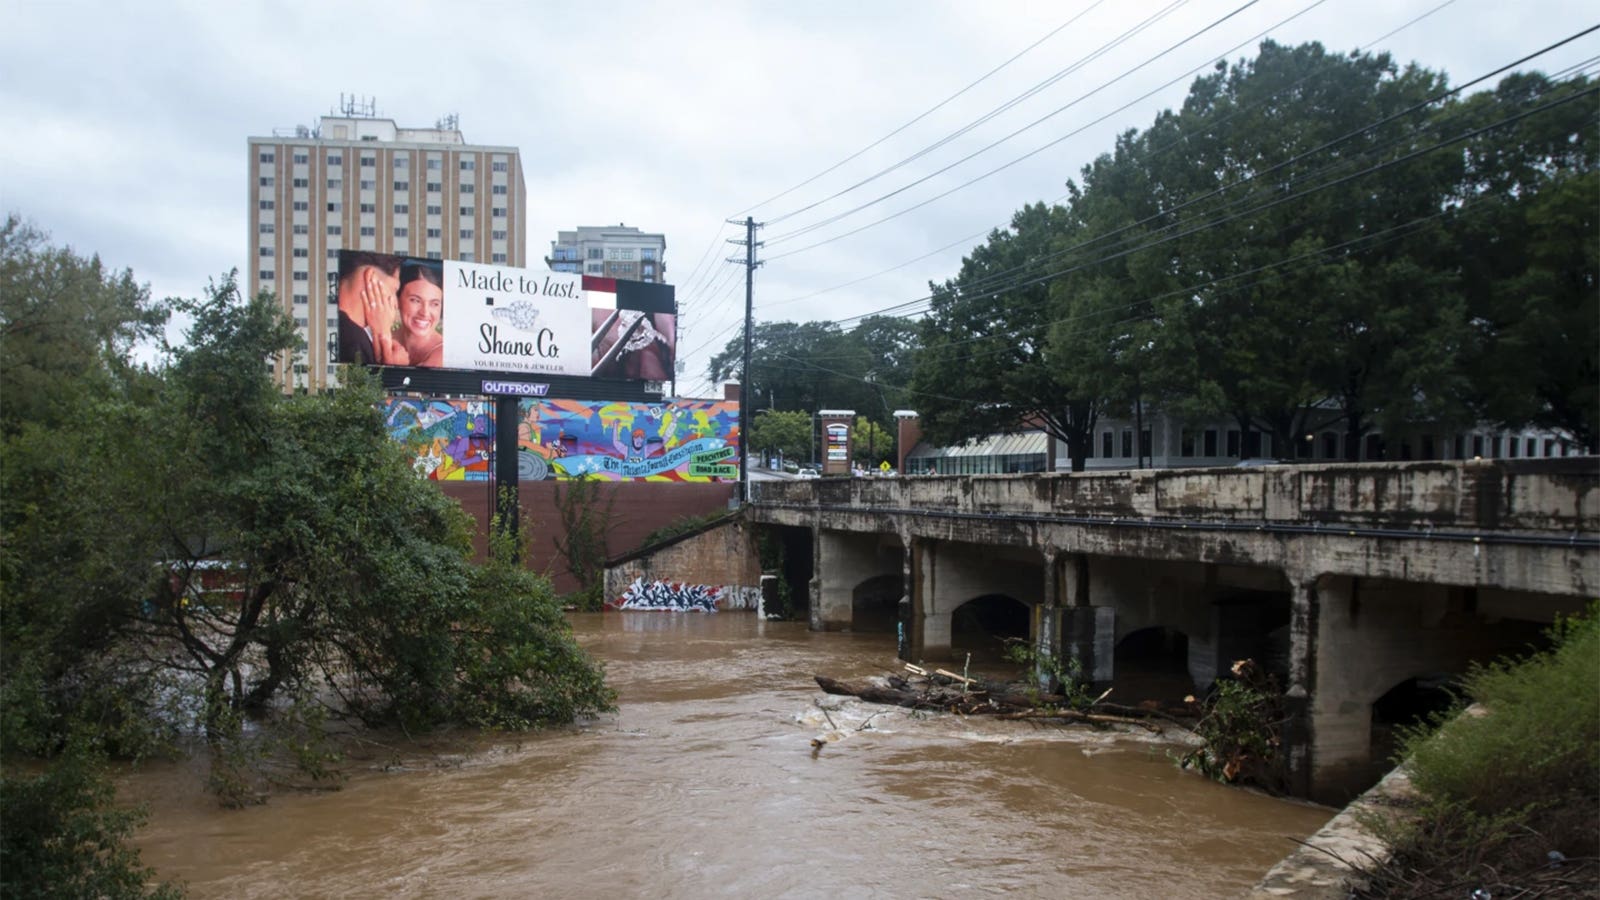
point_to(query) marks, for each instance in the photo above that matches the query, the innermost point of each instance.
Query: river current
(706, 784)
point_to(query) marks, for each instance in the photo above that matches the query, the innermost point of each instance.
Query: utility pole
(746, 395)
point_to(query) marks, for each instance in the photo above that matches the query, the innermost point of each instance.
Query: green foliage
(188, 551)
(871, 443)
(681, 525)
(64, 835)
(1240, 730)
(782, 432)
(1064, 673)
(1502, 788)
(584, 510)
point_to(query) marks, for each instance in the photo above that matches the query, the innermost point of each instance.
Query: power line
(935, 108)
(816, 225)
(1229, 117)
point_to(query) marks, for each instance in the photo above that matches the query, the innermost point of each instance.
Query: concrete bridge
(1351, 580)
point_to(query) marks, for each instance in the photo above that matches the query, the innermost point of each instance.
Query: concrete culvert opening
(1409, 703)
(875, 604)
(1152, 664)
(985, 626)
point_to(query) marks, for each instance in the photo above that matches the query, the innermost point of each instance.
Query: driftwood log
(990, 698)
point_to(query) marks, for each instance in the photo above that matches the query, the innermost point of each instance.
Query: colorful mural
(453, 439)
(684, 440)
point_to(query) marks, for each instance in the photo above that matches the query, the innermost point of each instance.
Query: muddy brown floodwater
(705, 785)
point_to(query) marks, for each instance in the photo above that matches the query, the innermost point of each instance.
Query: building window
(369, 207)
(497, 189)
(266, 228)
(335, 229)
(368, 231)
(467, 189)
(368, 184)
(434, 254)
(402, 185)
(369, 161)
(499, 212)
(266, 181)
(335, 159)
(497, 257)
(596, 253)
(649, 269)
(499, 236)
(302, 276)
(1211, 442)
(1106, 441)
(266, 274)
(468, 211)
(647, 253)
(335, 206)
(302, 182)
(301, 253)
(467, 165)
(333, 253)
(498, 166)
(1233, 443)
(402, 209)
(402, 231)
(435, 210)
(301, 299)
(1185, 442)
(335, 184)
(435, 232)
(1127, 443)
(267, 156)
(466, 234)
(402, 162)
(302, 229)
(266, 204)
(302, 158)
(301, 323)
(466, 256)
(595, 268)
(435, 186)
(302, 206)
(433, 162)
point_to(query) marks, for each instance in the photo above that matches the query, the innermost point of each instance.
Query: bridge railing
(1543, 495)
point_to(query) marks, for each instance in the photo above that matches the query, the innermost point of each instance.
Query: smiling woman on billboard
(422, 314)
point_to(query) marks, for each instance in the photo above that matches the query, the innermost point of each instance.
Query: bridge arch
(985, 625)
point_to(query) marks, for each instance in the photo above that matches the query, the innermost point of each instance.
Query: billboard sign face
(403, 311)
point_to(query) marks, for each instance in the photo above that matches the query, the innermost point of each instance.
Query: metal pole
(746, 388)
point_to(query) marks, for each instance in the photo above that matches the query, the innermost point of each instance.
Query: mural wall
(683, 440)
(453, 439)
(671, 596)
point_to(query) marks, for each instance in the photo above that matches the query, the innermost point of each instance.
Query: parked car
(1255, 462)
(807, 473)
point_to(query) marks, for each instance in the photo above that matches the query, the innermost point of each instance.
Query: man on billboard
(369, 284)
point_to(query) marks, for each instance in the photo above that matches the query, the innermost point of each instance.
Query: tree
(1528, 257)
(207, 549)
(986, 362)
(67, 325)
(787, 433)
(871, 443)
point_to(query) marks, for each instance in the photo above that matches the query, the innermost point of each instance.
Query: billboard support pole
(506, 505)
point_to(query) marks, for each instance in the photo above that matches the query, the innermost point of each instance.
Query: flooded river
(705, 784)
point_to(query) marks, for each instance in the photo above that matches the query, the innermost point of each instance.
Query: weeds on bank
(1508, 792)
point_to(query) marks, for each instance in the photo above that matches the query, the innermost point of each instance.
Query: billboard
(403, 311)
(680, 440)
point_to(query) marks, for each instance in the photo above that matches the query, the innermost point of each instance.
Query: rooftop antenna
(357, 106)
(448, 122)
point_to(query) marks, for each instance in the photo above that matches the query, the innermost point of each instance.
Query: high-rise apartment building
(610, 251)
(362, 183)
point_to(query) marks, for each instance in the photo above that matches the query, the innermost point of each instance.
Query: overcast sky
(126, 123)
